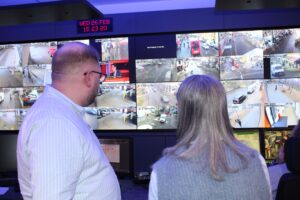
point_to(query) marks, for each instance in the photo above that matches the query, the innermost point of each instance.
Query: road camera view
(13, 55)
(197, 44)
(246, 116)
(245, 103)
(283, 90)
(283, 101)
(38, 53)
(12, 98)
(109, 118)
(157, 105)
(11, 76)
(156, 70)
(246, 43)
(285, 65)
(114, 48)
(175, 70)
(241, 67)
(281, 41)
(114, 107)
(10, 55)
(241, 55)
(244, 91)
(114, 95)
(36, 75)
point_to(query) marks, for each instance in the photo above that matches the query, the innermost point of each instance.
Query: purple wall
(159, 22)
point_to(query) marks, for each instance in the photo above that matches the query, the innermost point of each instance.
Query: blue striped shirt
(59, 156)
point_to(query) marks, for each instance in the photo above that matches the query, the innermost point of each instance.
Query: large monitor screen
(157, 105)
(249, 138)
(258, 68)
(274, 140)
(283, 48)
(241, 55)
(118, 152)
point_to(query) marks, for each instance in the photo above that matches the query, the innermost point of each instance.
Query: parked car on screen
(165, 99)
(251, 89)
(29, 99)
(162, 118)
(212, 45)
(277, 70)
(205, 46)
(239, 100)
(195, 47)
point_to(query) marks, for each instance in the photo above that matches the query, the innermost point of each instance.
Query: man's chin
(92, 101)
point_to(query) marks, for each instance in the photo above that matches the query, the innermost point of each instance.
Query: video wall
(260, 70)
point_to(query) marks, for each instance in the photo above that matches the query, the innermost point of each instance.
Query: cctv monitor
(118, 152)
(273, 141)
(249, 138)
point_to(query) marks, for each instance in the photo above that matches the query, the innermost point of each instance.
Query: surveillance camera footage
(108, 118)
(114, 95)
(240, 43)
(157, 105)
(283, 90)
(11, 76)
(246, 116)
(36, 75)
(245, 103)
(197, 44)
(241, 67)
(285, 65)
(114, 48)
(282, 41)
(260, 71)
(156, 70)
(174, 70)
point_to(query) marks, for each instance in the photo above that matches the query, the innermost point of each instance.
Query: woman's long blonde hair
(203, 122)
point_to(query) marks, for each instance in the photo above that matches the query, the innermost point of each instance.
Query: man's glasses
(102, 77)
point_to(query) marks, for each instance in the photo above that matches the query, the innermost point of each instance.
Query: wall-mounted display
(258, 68)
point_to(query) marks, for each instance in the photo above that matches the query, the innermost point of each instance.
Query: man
(115, 72)
(59, 156)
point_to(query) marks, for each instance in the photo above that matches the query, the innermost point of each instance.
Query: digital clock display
(94, 25)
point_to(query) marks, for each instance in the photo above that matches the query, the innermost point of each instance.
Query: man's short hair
(70, 56)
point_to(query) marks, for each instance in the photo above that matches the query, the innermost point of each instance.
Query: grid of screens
(260, 70)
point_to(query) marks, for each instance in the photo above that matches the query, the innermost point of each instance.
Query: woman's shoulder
(166, 161)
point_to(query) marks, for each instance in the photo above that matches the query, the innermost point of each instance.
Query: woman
(207, 162)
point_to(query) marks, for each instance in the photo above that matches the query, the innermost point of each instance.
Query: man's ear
(87, 80)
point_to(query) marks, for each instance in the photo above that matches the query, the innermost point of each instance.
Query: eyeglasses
(102, 77)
